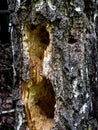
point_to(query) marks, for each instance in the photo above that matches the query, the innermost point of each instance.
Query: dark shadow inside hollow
(42, 34)
(46, 101)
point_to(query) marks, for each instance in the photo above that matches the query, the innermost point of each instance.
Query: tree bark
(72, 68)
(54, 44)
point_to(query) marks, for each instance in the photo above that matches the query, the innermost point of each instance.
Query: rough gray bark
(73, 70)
(73, 66)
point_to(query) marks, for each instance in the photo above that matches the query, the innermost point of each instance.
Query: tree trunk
(55, 72)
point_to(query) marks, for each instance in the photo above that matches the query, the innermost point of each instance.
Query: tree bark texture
(72, 65)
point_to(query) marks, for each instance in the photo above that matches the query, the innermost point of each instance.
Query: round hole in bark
(72, 40)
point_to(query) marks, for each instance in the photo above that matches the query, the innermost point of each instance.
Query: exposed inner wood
(38, 94)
